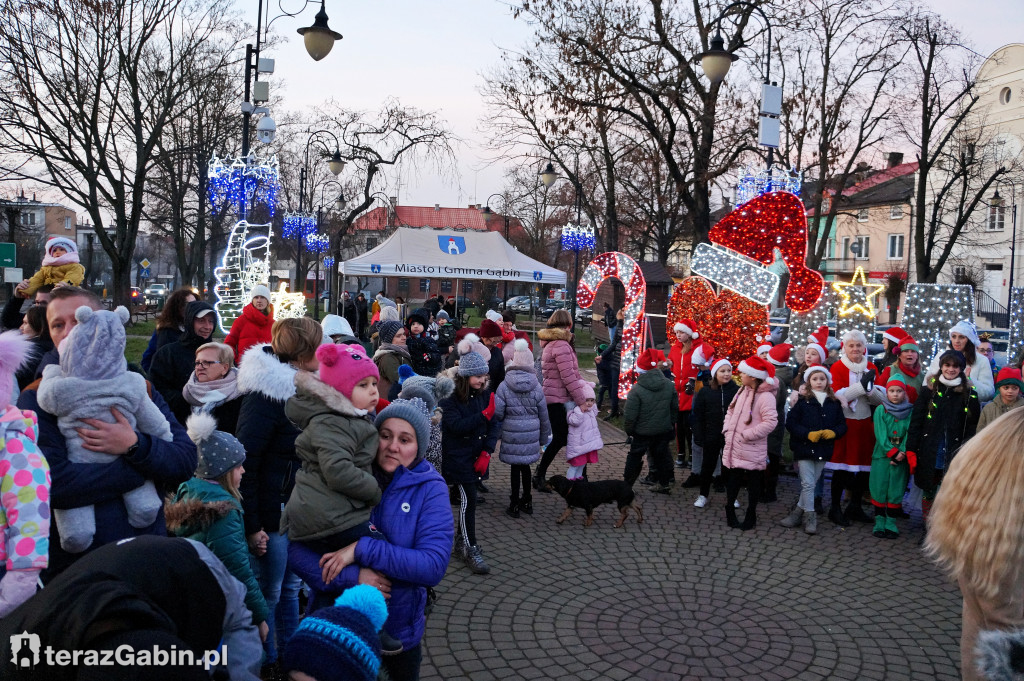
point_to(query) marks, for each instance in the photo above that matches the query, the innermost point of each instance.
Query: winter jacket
(889, 432)
(268, 437)
(942, 414)
(496, 368)
(205, 512)
(160, 338)
(335, 488)
(25, 502)
(175, 362)
(746, 444)
(102, 485)
(445, 337)
(562, 380)
(783, 377)
(464, 434)
(682, 372)
(611, 361)
(72, 273)
(710, 405)
(250, 328)
(584, 433)
(652, 406)
(995, 409)
(981, 375)
(26, 373)
(809, 415)
(520, 407)
(415, 516)
(426, 356)
(387, 362)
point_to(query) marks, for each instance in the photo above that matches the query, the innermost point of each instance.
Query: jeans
(658, 457)
(404, 666)
(280, 587)
(809, 471)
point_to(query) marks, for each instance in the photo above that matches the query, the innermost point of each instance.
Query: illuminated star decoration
(857, 296)
(288, 305)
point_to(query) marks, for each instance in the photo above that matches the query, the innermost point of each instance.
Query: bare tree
(89, 89)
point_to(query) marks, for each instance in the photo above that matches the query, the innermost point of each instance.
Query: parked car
(525, 305)
(156, 291)
(136, 295)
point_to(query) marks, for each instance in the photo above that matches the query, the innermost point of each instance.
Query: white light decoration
(248, 180)
(245, 264)
(626, 270)
(755, 182)
(803, 324)
(577, 237)
(735, 272)
(931, 310)
(287, 305)
(1015, 345)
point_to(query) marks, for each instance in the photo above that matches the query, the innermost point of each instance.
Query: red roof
(880, 177)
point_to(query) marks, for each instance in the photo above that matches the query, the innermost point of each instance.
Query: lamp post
(487, 213)
(319, 243)
(335, 163)
(997, 201)
(716, 62)
(576, 237)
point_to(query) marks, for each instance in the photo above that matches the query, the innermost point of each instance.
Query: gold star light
(287, 304)
(857, 296)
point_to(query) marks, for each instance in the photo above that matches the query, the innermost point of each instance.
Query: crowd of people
(274, 472)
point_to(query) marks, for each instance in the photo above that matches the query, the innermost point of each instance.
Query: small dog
(590, 495)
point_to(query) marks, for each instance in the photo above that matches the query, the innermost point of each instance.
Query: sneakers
(680, 462)
(701, 502)
(526, 507)
(736, 504)
(475, 561)
(646, 480)
(459, 547)
(389, 645)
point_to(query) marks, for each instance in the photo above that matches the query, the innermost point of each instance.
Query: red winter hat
(779, 355)
(343, 366)
(489, 329)
(702, 354)
(895, 334)
(651, 359)
(763, 345)
(758, 368)
(687, 326)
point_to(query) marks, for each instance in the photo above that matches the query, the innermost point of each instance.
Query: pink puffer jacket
(584, 433)
(562, 380)
(746, 444)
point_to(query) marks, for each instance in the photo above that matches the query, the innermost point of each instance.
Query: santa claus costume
(681, 356)
(852, 378)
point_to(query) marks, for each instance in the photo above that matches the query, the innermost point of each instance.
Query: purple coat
(414, 514)
(520, 406)
(562, 380)
(584, 435)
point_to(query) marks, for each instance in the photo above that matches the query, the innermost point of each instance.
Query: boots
(855, 512)
(811, 523)
(891, 531)
(459, 548)
(526, 505)
(836, 515)
(513, 507)
(794, 517)
(750, 520)
(818, 506)
(879, 529)
(730, 515)
(475, 561)
(926, 508)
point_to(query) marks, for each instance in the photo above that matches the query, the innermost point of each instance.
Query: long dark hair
(463, 391)
(36, 318)
(970, 352)
(173, 315)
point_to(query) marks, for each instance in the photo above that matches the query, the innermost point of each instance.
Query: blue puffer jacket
(808, 415)
(464, 434)
(414, 514)
(522, 410)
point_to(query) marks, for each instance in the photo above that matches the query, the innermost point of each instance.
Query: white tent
(451, 254)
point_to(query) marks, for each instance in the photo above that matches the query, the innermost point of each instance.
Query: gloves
(16, 587)
(827, 434)
(892, 453)
(867, 380)
(482, 461)
(912, 461)
(814, 435)
(691, 383)
(488, 411)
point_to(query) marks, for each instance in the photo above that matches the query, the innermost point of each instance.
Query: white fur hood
(260, 371)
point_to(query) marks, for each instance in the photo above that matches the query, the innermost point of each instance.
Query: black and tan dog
(590, 495)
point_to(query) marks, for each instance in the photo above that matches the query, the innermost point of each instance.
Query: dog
(590, 495)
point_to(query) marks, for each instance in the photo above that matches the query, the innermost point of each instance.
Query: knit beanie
(966, 328)
(588, 390)
(343, 366)
(953, 357)
(63, 242)
(522, 357)
(472, 364)
(14, 350)
(386, 302)
(471, 343)
(218, 451)
(387, 331)
(492, 316)
(441, 314)
(421, 315)
(1006, 376)
(341, 642)
(490, 329)
(389, 314)
(430, 390)
(335, 325)
(259, 290)
(94, 349)
(908, 343)
(416, 413)
(896, 381)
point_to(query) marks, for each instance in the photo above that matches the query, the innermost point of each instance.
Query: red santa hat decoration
(758, 368)
(816, 341)
(894, 334)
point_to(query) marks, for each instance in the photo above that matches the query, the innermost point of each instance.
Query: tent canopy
(450, 254)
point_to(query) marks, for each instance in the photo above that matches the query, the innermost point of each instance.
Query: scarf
(954, 383)
(211, 394)
(910, 373)
(391, 347)
(821, 396)
(66, 259)
(897, 411)
(857, 368)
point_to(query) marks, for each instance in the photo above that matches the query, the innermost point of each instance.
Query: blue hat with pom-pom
(341, 642)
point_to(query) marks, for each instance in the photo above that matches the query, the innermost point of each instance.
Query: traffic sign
(8, 252)
(144, 263)
(144, 273)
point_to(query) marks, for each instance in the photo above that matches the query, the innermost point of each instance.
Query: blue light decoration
(755, 182)
(328, 261)
(249, 180)
(296, 225)
(317, 243)
(577, 238)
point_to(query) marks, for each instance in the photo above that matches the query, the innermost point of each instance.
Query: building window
(467, 287)
(403, 284)
(446, 286)
(895, 212)
(371, 242)
(895, 247)
(863, 214)
(424, 285)
(1005, 95)
(996, 218)
(28, 219)
(993, 267)
(857, 247)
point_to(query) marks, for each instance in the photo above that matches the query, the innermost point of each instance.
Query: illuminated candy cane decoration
(627, 271)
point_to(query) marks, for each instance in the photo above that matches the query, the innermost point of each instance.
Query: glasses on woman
(206, 364)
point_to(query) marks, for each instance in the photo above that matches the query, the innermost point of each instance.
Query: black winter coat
(808, 415)
(464, 434)
(496, 368)
(425, 356)
(611, 360)
(941, 412)
(707, 415)
(783, 377)
(174, 363)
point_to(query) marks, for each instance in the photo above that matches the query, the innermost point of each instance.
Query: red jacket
(251, 328)
(682, 370)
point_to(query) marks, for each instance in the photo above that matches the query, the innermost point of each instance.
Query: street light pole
(548, 177)
(487, 212)
(997, 201)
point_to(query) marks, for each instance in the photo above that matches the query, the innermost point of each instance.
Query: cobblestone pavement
(683, 596)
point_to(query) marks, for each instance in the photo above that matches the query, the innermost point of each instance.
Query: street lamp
(319, 39)
(487, 213)
(716, 62)
(574, 237)
(319, 243)
(997, 201)
(335, 163)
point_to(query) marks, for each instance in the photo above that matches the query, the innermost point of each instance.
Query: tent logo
(537, 276)
(452, 245)
(375, 269)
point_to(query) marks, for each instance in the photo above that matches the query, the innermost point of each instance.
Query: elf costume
(889, 477)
